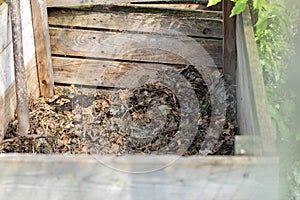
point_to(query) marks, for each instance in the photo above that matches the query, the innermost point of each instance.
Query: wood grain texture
(130, 46)
(83, 177)
(178, 6)
(138, 22)
(253, 115)
(229, 41)
(42, 47)
(103, 73)
(8, 99)
(3, 46)
(22, 109)
(70, 3)
(3, 23)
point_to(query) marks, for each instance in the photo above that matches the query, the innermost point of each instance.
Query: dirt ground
(147, 120)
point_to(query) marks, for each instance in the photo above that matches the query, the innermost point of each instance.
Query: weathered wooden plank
(102, 72)
(229, 41)
(8, 99)
(3, 45)
(159, 9)
(70, 3)
(253, 115)
(178, 6)
(138, 22)
(137, 47)
(7, 87)
(133, 177)
(135, 8)
(42, 47)
(6, 56)
(3, 24)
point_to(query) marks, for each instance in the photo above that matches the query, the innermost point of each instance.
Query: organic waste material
(147, 119)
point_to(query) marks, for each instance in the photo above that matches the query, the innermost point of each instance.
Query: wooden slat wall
(253, 115)
(53, 177)
(96, 44)
(7, 86)
(207, 26)
(125, 34)
(8, 100)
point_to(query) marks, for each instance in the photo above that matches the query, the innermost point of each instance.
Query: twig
(24, 137)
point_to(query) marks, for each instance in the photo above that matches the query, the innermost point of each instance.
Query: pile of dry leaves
(147, 119)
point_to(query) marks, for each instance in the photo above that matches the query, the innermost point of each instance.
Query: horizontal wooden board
(69, 3)
(137, 47)
(178, 6)
(53, 177)
(101, 72)
(4, 26)
(139, 22)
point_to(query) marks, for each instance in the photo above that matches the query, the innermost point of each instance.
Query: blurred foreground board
(153, 177)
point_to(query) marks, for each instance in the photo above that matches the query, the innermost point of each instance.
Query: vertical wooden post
(229, 41)
(21, 88)
(42, 47)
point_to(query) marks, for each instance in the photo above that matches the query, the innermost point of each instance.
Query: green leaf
(239, 7)
(261, 24)
(257, 4)
(213, 2)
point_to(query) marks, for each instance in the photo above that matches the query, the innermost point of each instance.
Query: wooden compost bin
(133, 177)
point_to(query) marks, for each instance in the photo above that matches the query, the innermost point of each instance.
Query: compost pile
(81, 120)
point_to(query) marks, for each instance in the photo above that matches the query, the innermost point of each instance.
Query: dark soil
(146, 119)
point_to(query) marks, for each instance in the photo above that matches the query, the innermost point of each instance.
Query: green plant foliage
(277, 23)
(294, 176)
(275, 29)
(274, 32)
(213, 2)
(239, 7)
